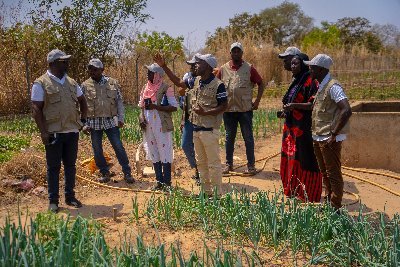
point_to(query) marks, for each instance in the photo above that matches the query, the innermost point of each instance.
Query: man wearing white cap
(105, 103)
(208, 101)
(240, 77)
(330, 116)
(59, 109)
(186, 83)
(287, 56)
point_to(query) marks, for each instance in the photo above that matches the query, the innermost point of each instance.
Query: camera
(147, 102)
(52, 139)
(280, 114)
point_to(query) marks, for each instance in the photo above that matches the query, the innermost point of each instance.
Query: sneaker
(73, 202)
(228, 168)
(129, 179)
(105, 178)
(251, 170)
(53, 207)
(157, 187)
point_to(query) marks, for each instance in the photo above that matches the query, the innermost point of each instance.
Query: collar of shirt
(324, 81)
(203, 83)
(103, 80)
(55, 78)
(235, 67)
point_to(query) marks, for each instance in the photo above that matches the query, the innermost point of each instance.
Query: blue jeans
(64, 149)
(187, 143)
(113, 135)
(231, 121)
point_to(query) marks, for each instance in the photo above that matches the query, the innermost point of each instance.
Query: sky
(196, 19)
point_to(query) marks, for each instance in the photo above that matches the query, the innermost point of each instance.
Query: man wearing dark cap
(59, 109)
(105, 114)
(240, 78)
(330, 116)
(287, 56)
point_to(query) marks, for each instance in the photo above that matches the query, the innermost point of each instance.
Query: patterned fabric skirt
(158, 145)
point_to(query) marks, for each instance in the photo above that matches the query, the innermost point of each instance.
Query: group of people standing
(315, 109)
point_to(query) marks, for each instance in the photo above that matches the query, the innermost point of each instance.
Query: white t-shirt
(37, 93)
(337, 94)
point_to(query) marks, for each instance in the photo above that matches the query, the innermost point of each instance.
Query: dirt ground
(99, 202)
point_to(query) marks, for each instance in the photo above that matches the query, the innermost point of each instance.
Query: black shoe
(73, 202)
(105, 178)
(157, 187)
(228, 168)
(129, 179)
(53, 207)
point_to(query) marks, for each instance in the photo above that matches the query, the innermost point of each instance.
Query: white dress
(158, 145)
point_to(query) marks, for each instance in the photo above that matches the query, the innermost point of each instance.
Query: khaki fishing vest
(238, 86)
(61, 106)
(325, 112)
(165, 117)
(206, 97)
(101, 99)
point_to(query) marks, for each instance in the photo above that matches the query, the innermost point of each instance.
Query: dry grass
(350, 67)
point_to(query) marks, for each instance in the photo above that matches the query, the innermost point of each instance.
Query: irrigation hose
(373, 183)
(372, 172)
(355, 201)
(242, 174)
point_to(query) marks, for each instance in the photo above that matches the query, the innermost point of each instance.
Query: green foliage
(155, 42)
(88, 29)
(328, 36)
(357, 32)
(11, 144)
(50, 240)
(266, 219)
(284, 24)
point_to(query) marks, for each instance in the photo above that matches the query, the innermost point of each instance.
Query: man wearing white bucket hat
(330, 116)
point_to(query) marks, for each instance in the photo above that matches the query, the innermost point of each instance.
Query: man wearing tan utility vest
(208, 101)
(59, 109)
(105, 114)
(239, 78)
(330, 124)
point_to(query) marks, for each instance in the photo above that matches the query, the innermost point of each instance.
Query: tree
(88, 28)
(285, 24)
(357, 32)
(288, 21)
(326, 36)
(159, 42)
(389, 34)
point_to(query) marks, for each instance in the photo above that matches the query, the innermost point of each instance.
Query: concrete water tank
(374, 138)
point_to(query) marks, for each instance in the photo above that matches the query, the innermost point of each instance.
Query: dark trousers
(231, 121)
(64, 149)
(328, 157)
(114, 136)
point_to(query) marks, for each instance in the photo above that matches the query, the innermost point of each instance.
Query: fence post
(137, 79)
(27, 73)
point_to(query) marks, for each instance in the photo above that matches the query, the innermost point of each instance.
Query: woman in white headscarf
(157, 102)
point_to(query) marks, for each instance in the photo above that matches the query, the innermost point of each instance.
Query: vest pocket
(112, 93)
(54, 97)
